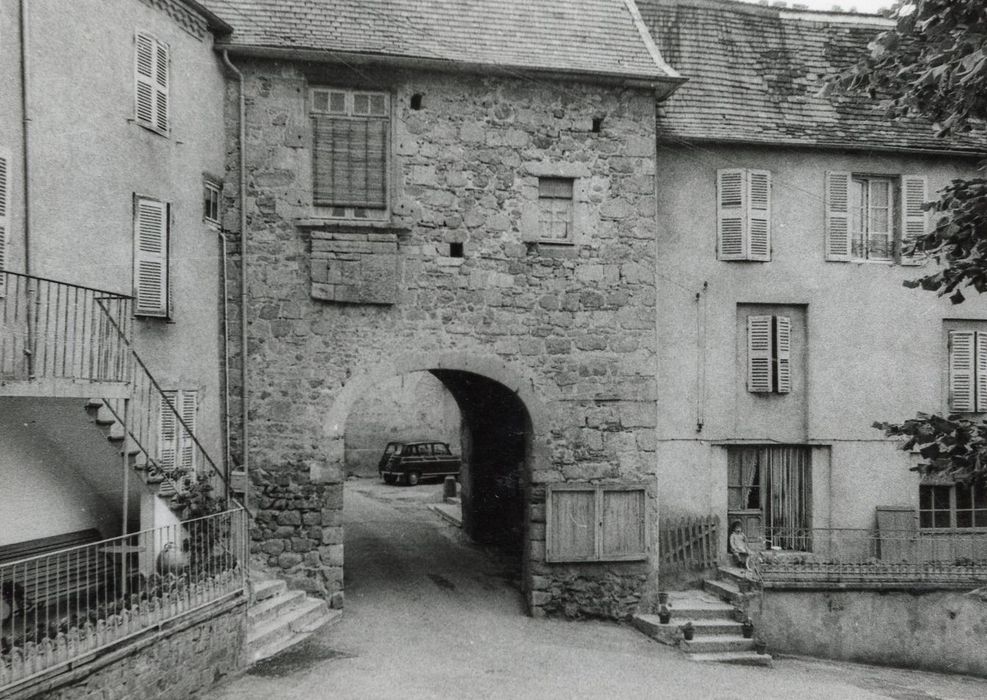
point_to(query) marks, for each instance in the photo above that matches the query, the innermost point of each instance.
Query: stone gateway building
(469, 194)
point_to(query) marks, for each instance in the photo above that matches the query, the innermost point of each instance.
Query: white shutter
(837, 216)
(783, 353)
(188, 406)
(961, 371)
(759, 214)
(151, 257)
(980, 351)
(731, 214)
(161, 81)
(167, 432)
(914, 219)
(4, 204)
(145, 90)
(759, 353)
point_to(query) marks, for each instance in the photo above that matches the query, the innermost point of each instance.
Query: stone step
(670, 634)
(742, 578)
(740, 658)
(266, 588)
(711, 644)
(724, 590)
(272, 606)
(288, 641)
(294, 620)
(698, 605)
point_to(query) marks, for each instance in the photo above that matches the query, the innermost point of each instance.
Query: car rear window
(440, 449)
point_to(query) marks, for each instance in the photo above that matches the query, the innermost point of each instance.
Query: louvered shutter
(145, 87)
(914, 219)
(759, 353)
(161, 82)
(188, 405)
(838, 216)
(980, 352)
(961, 371)
(759, 214)
(151, 257)
(783, 353)
(731, 214)
(167, 432)
(350, 162)
(4, 204)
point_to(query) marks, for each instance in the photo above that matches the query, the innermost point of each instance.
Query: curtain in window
(788, 496)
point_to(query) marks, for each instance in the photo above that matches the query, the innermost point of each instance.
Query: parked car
(410, 462)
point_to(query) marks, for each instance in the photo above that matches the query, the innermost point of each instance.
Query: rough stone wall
(576, 321)
(174, 666)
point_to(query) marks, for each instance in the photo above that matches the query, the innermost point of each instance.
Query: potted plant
(688, 631)
(662, 597)
(748, 628)
(664, 614)
(760, 646)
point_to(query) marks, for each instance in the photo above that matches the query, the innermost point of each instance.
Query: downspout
(242, 136)
(224, 273)
(26, 178)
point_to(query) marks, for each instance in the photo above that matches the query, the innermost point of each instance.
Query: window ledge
(341, 226)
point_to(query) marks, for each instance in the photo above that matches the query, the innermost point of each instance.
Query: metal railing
(872, 556)
(59, 608)
(56, 330)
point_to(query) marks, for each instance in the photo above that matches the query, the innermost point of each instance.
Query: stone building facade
(551, 341)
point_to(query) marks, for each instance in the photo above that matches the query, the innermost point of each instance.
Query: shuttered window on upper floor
(350, 152)
(151, 83)
(4, 206)
(967, 371)
(743, 214)
(769, 354)
(151, 259)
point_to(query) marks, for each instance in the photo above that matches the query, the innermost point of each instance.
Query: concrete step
(711, 644)
(740, 658)
(724, 590)
(743, 579)
(670, 634)
(273, 606)
(266, 588)
(289, 640)
(699, 605)
(292, 620)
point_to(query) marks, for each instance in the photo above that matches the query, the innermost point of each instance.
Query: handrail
(114, 295)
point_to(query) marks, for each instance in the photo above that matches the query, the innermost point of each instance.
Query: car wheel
(389, 478)
(413, 478)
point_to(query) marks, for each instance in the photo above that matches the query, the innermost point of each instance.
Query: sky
(861, 5)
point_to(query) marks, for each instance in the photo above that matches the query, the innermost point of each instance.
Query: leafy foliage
(933, 64)
(953, 446)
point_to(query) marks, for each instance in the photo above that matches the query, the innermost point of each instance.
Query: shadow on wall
(413, 406)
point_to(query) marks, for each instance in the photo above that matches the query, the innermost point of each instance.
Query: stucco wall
(574, 324)
(935, 630)
(875, 350)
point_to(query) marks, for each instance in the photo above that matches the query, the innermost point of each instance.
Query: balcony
(60, 339)
(63, 608)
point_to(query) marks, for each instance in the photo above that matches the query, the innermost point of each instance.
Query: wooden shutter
(167, 432)
(161, 86)
(152, 78)
(4, 205)
(914, 219)
(731, 214)
(980, 371)
(838, 216)
(759, 334)
(623, 531)
(962, 346)
(350, 162)
(759, 214)
(783, 354)
(151, 257)
(571, 524)
(188, 406)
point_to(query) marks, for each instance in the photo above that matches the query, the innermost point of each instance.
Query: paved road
(431, 616)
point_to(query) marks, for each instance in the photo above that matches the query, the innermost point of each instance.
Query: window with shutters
(769, 353)
(596, 523)
(350, 131)
(151, 264)
(176, 448)
(874, 217)
(743, 214)
(4, 206)
(967, 371)
(952, 506)
(152, 79)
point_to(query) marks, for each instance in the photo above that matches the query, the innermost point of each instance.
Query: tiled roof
(754, 75)
(571, 36)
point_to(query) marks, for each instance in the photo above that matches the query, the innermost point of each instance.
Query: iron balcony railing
(57, 609)
(56, 330)
(872, 557)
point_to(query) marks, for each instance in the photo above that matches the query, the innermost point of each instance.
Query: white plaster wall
(875, 350)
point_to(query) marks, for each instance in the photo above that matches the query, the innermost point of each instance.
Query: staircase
(279, 618)
(716, 613)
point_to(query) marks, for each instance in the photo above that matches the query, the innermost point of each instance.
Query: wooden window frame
(211, 190)
(952, 509)
(556, 208)
(352, 214)
(599, 490)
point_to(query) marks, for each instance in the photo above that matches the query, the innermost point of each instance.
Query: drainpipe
(226, 363)
(26, 176)
(244, 431)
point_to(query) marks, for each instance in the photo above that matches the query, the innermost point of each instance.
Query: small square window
(210, 202)
(555, 209)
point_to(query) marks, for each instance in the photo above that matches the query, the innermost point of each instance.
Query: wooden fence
(689, 543)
